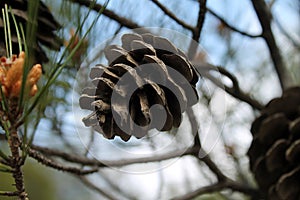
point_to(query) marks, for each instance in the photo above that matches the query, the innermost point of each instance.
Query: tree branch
(118, 163)
(197, 31)
(235, 90)
(50, 163)
(232, 27)
(202, 155)
(90, 185)
(282, 29)
(108, 13)
(265, 17)
(9, 194)
(16, 163)
(219, 186)
(212, 166)
(173, 16)
(194, 126)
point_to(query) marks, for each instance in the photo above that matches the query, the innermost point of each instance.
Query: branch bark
(232, 27)
(224, 182)
(173, 16)
(198, 29)
(92, 186)
(108, 13)
(50, 163)
(235, 90)
(265, 18)
(212, 166)
(287, 35)
(219, 186)
(118, 163)
(16, 163)
(9, 194)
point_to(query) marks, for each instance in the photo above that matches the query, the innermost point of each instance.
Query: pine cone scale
(176, 62)
(288, 185)
(128, 38)
(275, 156)
(293, 152)
(295, 128)
(273, 128)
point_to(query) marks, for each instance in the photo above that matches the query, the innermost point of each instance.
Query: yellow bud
(11, 74)
(15, 72)
(34, 74)
(33, 90)
(2, 75)
(15, 89)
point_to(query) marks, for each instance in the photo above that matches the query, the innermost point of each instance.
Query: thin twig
(173, 16)
(212, 166)
(201, 154)
(118, 163)
(232, 27)
(108, 13)
(91, 142)
(9, 194)
(92, 186)
(283, 30)
(194, 126)
(50, 163)
(114, 185)
(265, 18)
(219, 186)
(235, 91)
(198, 29)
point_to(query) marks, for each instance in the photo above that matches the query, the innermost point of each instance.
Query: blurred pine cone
(275, 150)
(160, 57)
(45, 29)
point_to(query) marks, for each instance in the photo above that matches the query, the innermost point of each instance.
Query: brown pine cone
(275, 150)
(146, 71)
(45, 29)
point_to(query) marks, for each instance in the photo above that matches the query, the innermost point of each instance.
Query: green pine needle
(3, 155)
(17, 30)
(8, 31)
(29, 41)
(61, 64)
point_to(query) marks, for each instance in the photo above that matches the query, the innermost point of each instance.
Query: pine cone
(45, 29)
(141, 74)
(275, 150)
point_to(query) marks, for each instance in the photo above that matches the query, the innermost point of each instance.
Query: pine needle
(60, 65)
(8, 32)
(30, 39)
(17, 30)
(5, 31)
